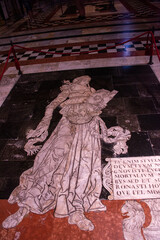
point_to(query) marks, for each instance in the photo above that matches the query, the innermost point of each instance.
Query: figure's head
(83, 80)
(101, 97)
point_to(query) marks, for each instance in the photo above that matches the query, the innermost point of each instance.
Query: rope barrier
(154, 41)
(149, 50)
(85, 52)
(16, 60)
(5, 66)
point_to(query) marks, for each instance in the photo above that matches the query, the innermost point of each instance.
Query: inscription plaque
(136, 177)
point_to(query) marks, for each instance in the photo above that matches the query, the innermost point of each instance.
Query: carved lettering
(136, 177)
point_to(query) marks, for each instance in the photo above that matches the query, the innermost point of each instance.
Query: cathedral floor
(71, 48)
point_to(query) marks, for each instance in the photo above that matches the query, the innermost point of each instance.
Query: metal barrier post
(16, 60)
(151, 48)
(61, 6)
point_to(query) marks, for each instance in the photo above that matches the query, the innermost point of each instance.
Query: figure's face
(83, 80)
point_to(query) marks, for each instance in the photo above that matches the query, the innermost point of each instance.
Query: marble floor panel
(79, 47)
(134, 108)
(63, 37)
(7, 82)
(136, 8)
(24, 107)
(47, 227)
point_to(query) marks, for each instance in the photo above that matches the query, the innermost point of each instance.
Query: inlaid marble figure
(66, 175)
(133, 221)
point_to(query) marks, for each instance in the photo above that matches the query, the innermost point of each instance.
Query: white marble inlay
(92, 63)
(40, 57)
(34, 54)
(136, 177)
(111, 50)
(28, 52)
(138, 45)
(93, 45)
(66, 175)
(23, 59)
(152, 232)
(120, 47)
(131, 49)
(133, 221)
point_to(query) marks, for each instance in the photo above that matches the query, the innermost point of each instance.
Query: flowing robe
(66, 175)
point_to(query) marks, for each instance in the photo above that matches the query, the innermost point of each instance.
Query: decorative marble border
(76, 50)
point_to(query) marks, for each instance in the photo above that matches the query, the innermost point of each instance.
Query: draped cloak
(66, 175)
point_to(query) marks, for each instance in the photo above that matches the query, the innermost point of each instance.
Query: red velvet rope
(154, 41)
(91, 51)
(35, 50)
(5, 66)
(16, 60)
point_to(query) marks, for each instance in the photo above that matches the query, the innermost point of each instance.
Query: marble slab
(6, 85)
(136, 177)
(78, 64)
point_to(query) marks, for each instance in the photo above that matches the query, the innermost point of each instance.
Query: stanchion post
(15, 59)
(151, 48)
(61, 5)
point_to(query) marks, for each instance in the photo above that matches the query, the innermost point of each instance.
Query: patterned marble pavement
(76, 50)
(136, 107)
(134, 9)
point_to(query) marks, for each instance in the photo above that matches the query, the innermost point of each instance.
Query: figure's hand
(41, 133)
(30, 148)
(35, 136)
(120, 147)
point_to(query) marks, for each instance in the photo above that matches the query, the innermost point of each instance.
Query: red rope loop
(17, 64)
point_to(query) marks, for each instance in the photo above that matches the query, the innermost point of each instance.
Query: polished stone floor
(23, 98)
(136, 108)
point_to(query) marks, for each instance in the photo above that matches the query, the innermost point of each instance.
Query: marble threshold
(39, 38)
(6, 31)
(11, 77)
(44, 43)
(90, 33)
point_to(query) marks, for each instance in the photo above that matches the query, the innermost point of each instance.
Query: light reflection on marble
(116, 28)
